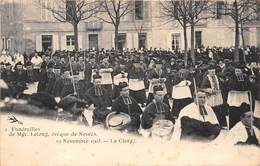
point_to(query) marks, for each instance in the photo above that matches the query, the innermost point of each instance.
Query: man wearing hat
(48, 79)
(106, 73)
(29, 71)
(239, 88)
(120, 74)
(63, 85)
(126, 104)
(98, 96)
(197, 121)
(156, 110)
(36, 62)
(7, 74)
(212, 86)
(19, 79)
(136, 83)
(181, 92)
(157, 77)
(244, 132)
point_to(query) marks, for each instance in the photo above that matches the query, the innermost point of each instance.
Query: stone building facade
(25, 26)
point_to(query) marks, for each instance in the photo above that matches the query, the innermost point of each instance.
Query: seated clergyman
(244, 132)
(98, 96)
(197, 121)
(126, 104)
(156, 110)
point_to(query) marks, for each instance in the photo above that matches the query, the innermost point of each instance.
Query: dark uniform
(136, 78)
(128, 105)
(99, 97)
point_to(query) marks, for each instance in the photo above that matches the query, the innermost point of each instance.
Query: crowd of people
(145, 92)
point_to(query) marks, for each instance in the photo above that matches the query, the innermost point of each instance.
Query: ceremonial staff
(252, 113)
(196, 95)
(73, 81)
(251, 79)
(84, 57)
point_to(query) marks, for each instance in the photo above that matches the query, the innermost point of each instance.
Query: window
(93, 40)
(70, 5)
(46, 42)
(139, 12)
(121, 41)
(45, 14)
(176, 6)
(8, 44)
(258, 10)
(220, 9)
(3, 43)
(70, 40)
(141, 40)
(198, 39)
(176, 41)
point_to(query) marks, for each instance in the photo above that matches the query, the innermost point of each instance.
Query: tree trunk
(76, 43)
(192, 53)
(116, 37)
(243, 41)
(236, 56)
(185, 45)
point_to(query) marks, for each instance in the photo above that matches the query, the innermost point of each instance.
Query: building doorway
(198, 39)
(121, 41)
(93, 40)
(141, 40)
(46, 42)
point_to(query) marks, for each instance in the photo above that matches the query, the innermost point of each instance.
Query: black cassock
(155, 74)
(19, 82)
(198, 130)
(99, 97)
(156, 111)
(132, 109)
(62, 87)
(237, 83)
(138, 95)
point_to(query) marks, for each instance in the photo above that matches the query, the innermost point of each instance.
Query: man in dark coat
(7, 74)
(213, 86)
(156, 110)
(126, 104)
(181, 92)
(48, 80)
(19, 79)
(98, 96)
(136, 83)
(239, 87)
(157, 77)
(63, 85)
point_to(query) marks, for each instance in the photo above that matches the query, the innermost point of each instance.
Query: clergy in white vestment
(196, 122)
(181, 92)
(36, 62)
(244, 132)
(213, 87)
(18, 58)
